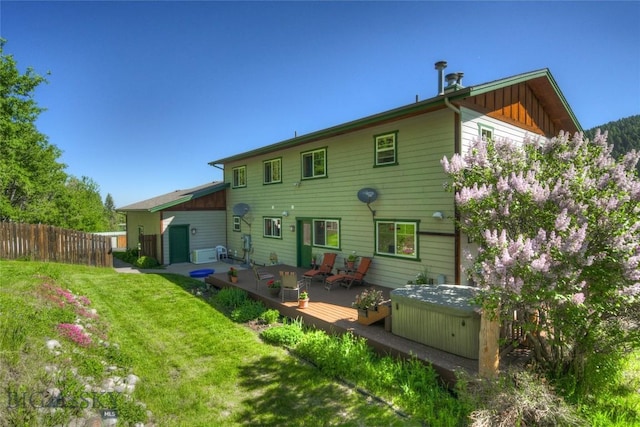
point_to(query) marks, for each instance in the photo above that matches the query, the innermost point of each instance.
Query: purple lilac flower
(578, 298)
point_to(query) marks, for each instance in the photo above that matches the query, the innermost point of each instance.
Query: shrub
(287, 335)
(574, 262)
(270, 316)
(129, 256)
(249, 310)
(516, 398)
(230, 298)
(146, 262)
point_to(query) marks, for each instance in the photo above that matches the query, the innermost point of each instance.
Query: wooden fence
(48, 243)
(148, 245)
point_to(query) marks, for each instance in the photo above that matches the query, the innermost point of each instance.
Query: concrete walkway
(182, 268)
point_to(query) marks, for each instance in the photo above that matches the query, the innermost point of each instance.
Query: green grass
(196, 366)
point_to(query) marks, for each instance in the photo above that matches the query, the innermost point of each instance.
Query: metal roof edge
(338, 129)
(509, 81)
(520, 78)
(405, 110)
(194, 195)
(171, 203)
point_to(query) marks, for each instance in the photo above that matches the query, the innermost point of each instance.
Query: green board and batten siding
(411, 190)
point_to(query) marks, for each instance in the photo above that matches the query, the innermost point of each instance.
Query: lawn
(196, 367)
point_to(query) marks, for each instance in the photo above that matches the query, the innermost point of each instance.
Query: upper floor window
(239, 177)
(314, 163)
(272, 227)
(326, 233)
(272, 171)
(397, 238)
(486, 132)
(386, 149)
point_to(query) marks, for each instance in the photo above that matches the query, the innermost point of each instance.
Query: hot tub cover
(452, 298)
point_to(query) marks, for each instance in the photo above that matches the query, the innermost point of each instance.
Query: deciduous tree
(34, 187)
(30, 174)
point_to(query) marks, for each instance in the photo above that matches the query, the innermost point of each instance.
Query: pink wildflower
(75, 333)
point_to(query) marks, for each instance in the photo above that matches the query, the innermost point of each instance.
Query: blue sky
(142, 95)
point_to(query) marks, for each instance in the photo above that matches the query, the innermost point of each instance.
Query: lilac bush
(557, 223)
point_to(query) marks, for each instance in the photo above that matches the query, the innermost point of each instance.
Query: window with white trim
(386, 149)
(272, 171)
(314, 164)
(239, 178)
(272, 227)
(236, 223)
(397, 238)
(326, 233)
(485, 132)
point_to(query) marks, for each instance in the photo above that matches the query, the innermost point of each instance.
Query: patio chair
(349, 278)
(328, 260)
(260, 275)
(290, 284)
(221, 252)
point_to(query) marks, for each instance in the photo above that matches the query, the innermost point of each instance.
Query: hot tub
(440, 316)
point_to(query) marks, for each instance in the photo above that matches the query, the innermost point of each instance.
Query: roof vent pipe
(460, 75)
(440, 66)
(452, 79)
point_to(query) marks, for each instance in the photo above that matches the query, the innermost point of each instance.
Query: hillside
(624, 134)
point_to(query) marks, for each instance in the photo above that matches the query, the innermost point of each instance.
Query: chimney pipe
(440, 66)
(452, 79)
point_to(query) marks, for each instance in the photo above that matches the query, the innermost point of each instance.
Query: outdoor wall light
(285, 213)
(438, 215)
(292, 227)
(194, 231)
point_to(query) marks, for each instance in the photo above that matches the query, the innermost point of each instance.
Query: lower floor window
(326, 233)
(272, 227)
(397, 238)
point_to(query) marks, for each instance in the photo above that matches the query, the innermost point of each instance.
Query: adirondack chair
(328, 260)
(290, 284)
(347, 279)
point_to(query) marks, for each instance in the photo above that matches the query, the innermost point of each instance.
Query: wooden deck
(331, 311)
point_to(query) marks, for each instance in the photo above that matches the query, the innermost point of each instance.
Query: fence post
(489, 357)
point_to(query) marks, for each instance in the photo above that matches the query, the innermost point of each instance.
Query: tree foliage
(623, 134)
(558, 229)
(34, 187)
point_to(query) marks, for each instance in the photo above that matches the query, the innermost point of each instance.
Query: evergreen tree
(110, 212)
(623, 134)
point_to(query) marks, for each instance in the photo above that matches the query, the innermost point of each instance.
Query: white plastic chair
(221, 252)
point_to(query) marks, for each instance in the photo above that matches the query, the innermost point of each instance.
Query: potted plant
(233, 275)
(274, 287)
(370, 306)
(422, 278)
(351, 261)
(303, 299)
(314, 261)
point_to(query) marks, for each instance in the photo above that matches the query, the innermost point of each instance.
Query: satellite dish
(240, 209)
(367, 195)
